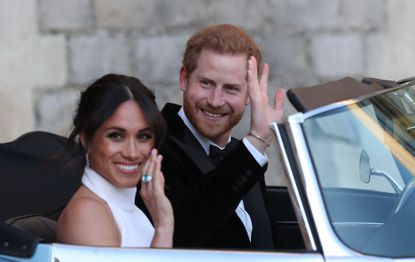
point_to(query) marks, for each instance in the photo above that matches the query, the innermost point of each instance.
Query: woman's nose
(130, 150)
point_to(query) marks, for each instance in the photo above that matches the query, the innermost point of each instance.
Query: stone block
(63, 15)
(337, 55)
(251, 15)
(389, 59)
(149, 15)
(287, 56)
(304, 15)
(93, 55)
(166, 92)
(400, 17)
(136, 14)
(159, 58)
(48, 62)
(17, 19)
(390, 52)
(54, 110)
(33, 61)
(183, 13)
(362, 15)
(17, 113)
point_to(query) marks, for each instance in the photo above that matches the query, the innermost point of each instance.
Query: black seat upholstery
(37, 176)
(37, 226)
(14, 242)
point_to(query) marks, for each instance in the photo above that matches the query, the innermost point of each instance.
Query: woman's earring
(87, 158)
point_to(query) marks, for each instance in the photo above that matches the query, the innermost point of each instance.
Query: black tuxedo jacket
(204, 198)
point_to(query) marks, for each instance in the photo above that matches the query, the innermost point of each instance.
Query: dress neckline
(122, 197)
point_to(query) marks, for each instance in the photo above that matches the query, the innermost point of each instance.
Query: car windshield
(363, 154)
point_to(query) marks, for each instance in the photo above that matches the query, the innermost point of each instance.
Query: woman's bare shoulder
(88, 220)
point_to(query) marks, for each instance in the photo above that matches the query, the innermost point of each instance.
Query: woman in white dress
(119, 127)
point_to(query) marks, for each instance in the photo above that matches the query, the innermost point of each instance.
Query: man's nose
(215, 98)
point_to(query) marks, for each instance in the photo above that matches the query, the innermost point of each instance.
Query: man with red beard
(218, 203)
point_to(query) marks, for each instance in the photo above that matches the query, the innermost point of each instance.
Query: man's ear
(183, 79)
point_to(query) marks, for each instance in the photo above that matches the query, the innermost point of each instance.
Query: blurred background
(52, 49)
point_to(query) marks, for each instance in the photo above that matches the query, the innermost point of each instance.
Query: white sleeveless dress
(135, 228)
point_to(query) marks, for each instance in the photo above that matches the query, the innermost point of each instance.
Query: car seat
(37, 179)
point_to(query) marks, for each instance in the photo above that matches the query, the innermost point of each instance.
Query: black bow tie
(216, 154)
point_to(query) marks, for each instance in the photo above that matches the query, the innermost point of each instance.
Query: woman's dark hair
(102, 98)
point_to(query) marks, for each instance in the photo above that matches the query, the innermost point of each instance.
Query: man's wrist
(256, 149)
(263, 140)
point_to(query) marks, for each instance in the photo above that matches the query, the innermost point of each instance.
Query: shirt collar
(204, 142)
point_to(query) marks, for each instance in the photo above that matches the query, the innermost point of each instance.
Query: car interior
(39, 177)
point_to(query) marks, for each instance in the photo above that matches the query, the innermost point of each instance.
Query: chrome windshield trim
(372, 224)
(348, 102)
(298, 206)
(329, 241)
(328, 108)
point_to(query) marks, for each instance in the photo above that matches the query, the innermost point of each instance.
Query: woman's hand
(159, 206)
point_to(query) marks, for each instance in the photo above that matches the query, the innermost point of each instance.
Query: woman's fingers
(148, 169)
(153, 194)
(155, 187)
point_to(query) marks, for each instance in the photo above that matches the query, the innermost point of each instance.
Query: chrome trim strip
(61, 252)
(328, 108)
(353, 224)
(348, 102)
(372, 224)
(293, 190)
(330, 244)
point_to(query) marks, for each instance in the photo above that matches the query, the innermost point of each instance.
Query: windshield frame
(330, 242)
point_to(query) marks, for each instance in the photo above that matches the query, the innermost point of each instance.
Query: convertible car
(348, 158)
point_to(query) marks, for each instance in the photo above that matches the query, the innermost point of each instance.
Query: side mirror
(366, 171)
(364, 167)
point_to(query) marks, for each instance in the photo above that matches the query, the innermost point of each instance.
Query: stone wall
(50, 49)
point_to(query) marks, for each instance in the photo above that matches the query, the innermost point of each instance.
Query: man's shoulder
(170, 109)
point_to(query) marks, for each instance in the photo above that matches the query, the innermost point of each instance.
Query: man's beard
(212, 131)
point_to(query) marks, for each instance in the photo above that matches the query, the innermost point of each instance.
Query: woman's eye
(145, 136)
(115, 136)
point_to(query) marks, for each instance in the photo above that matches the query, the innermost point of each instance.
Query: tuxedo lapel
(184, 139)
(196, 153)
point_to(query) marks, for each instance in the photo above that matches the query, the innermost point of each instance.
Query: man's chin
(211, 133)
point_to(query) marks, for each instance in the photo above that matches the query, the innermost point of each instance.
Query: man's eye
(205, 83)
(231, 89)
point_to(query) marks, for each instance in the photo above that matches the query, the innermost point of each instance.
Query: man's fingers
(252, 69)
(263, 83)
(279, 99)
